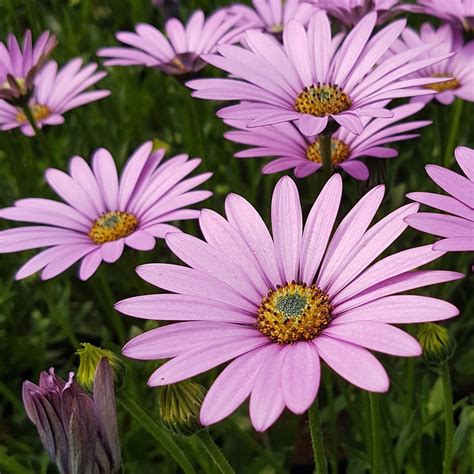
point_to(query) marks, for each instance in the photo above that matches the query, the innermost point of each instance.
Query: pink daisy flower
(458, 69)
(303, 155)
(458, 12)
(350, 12)
(18, 67)
(180, 53)
(272, 15)
(278, 306)
(55, 93)
(313, 78)
(457, 226)
(102, 212)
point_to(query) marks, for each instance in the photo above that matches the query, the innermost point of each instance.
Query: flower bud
(438, 344)
(179, 407)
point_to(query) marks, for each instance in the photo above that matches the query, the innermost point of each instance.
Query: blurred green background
(41, 323)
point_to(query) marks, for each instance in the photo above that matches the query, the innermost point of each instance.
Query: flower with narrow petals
(457, 225)
(103, 213)
(181, 52)
(79, 432)
(272, 15)
(55, 93)
(18, 67)
(277, 305)
(314, 78)
(458, 69)
(295, 151)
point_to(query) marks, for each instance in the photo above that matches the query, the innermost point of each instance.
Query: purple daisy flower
(181, 52)
(272, 15)
(279, 305)
(460, 13)
(18, 67)
(350, 12)
(457, 226)
(55, 93)
(103, 213)
(458, 69)
(295, 151)
(314, 78)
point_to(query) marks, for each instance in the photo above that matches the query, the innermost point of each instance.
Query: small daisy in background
(458, 69)
(178, 53)
(55, 92)
(19, 66)
(456, 227)
(278, 305)
(302, 154)
(101, 212)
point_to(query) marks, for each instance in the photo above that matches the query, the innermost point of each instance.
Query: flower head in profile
(181, 52)
(18, 67)
(277, 305)
(78, 431)
(272, 15)
(456, 227)
(314, 78)
(55, 93)
(303, 155)
(101, 212)
(457, 70)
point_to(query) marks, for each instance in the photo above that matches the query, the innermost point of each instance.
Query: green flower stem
(320, 466)
(448, 419)
(325, 150)
(160, 434)
(454, 132)
(376, 460)
(215, 452)
(332, 422)
(410, 389)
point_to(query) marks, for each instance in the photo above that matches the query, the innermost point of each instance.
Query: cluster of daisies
(302, 75)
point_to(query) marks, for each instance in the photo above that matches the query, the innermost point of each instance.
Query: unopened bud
(438, 344)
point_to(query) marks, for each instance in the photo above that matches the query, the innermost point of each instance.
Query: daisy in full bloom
(272, 15)
(315, 78)
(101, 212)
(349, 12)
(458, 69)
(457, 226)
(55, 93)
(180, 53)
(277, 305)
(295, 151)
(18, 67)
(460, 13)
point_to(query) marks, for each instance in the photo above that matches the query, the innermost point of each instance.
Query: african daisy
(180, 53)
(55, 93)
(457, 226)
(313, 78)
(295, 151)
(277, 305)
(103, 213)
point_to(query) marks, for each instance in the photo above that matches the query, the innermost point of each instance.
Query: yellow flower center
(444, 86)
(19, 80)
(39, 112)
(339, 152)
(112, 226)
(294, 312)
(322, 100)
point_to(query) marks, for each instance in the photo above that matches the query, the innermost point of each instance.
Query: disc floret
(322, 100)
(112, 226)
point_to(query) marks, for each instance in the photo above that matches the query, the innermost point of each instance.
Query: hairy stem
(320, 466)
(215, 452)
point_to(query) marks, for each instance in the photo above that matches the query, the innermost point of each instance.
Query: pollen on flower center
(294, 312)
(39, 112)
(112, 226)
(444, 86)
(339, 152)
(322, 100)
(20, 82)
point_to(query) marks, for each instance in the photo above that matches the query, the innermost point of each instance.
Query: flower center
(39, 112)
(294, 312)
(112, 226)
(19, 80)
(322, 100)
(339, 152)
(444, 86)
